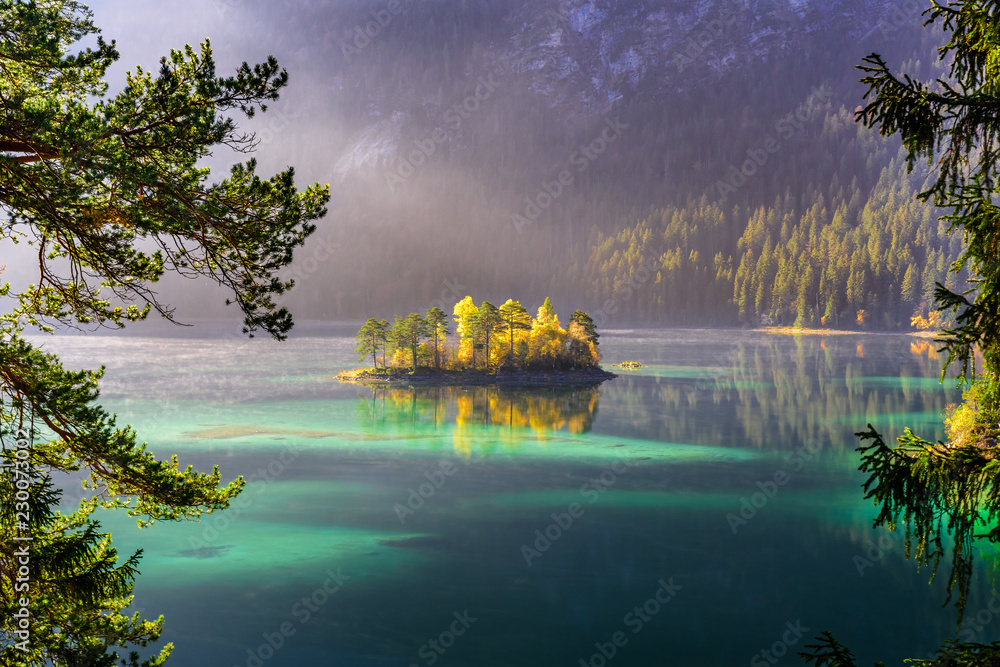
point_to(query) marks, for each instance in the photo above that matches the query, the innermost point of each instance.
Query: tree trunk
(510, 355)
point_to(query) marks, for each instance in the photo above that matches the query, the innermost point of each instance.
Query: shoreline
(794, 331)
(570, 378)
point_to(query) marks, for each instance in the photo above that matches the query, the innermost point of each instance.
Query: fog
(489, 148)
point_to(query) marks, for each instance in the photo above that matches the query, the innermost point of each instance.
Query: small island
(492, 345)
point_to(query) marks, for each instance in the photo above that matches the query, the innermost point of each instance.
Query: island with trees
(491, 345)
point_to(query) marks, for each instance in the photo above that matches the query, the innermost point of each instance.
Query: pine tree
(910, 292)
(110, 193)
(87, 612)
(486, 326)
(383, 339)
(437, 325)
(587, 323)
(514, 317)
(408, 333)
(951, 488)
(372, 337)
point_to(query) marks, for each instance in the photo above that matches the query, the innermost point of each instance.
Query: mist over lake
(597, 333)
(707, 506)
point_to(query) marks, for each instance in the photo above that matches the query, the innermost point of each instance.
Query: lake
(705, 509)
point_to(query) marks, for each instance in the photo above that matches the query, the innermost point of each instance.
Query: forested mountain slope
(552, 147)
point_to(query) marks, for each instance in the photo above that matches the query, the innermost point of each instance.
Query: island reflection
(478, 417)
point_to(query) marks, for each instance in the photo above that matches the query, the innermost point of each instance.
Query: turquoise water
(687, 513)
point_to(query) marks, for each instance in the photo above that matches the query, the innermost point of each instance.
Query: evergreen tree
(86, 602)
(409, 332)
(486, 326)
(587, 323)
(110, 193)
(100, 180)
(514, 317)
(383, 338)
(936, 489)
(437, 325)
(371, 337)
(910, 291)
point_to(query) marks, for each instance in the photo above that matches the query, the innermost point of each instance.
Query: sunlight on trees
(488, 338)
(937, 491)
(933, 322)
(506, 412)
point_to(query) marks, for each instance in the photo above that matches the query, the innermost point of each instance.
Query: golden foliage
(967, 423)
(545, 345)
(921, 348)
(486, 418)
(933, 321)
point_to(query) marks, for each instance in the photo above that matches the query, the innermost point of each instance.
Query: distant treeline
(842, 258)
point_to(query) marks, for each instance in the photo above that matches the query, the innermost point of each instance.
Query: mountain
(494, 148)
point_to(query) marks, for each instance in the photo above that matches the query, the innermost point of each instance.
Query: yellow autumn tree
(579, 347)
(547, 338)
(491, 338)
(466, 317)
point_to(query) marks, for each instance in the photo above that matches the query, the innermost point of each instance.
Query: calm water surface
(698, 511)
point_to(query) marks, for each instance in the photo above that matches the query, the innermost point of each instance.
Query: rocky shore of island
(584, 377)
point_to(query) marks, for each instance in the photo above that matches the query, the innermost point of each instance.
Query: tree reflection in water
(481, 418)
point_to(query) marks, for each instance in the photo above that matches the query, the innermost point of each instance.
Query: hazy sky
(294, 131)
(239, 31)
(353, 121)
